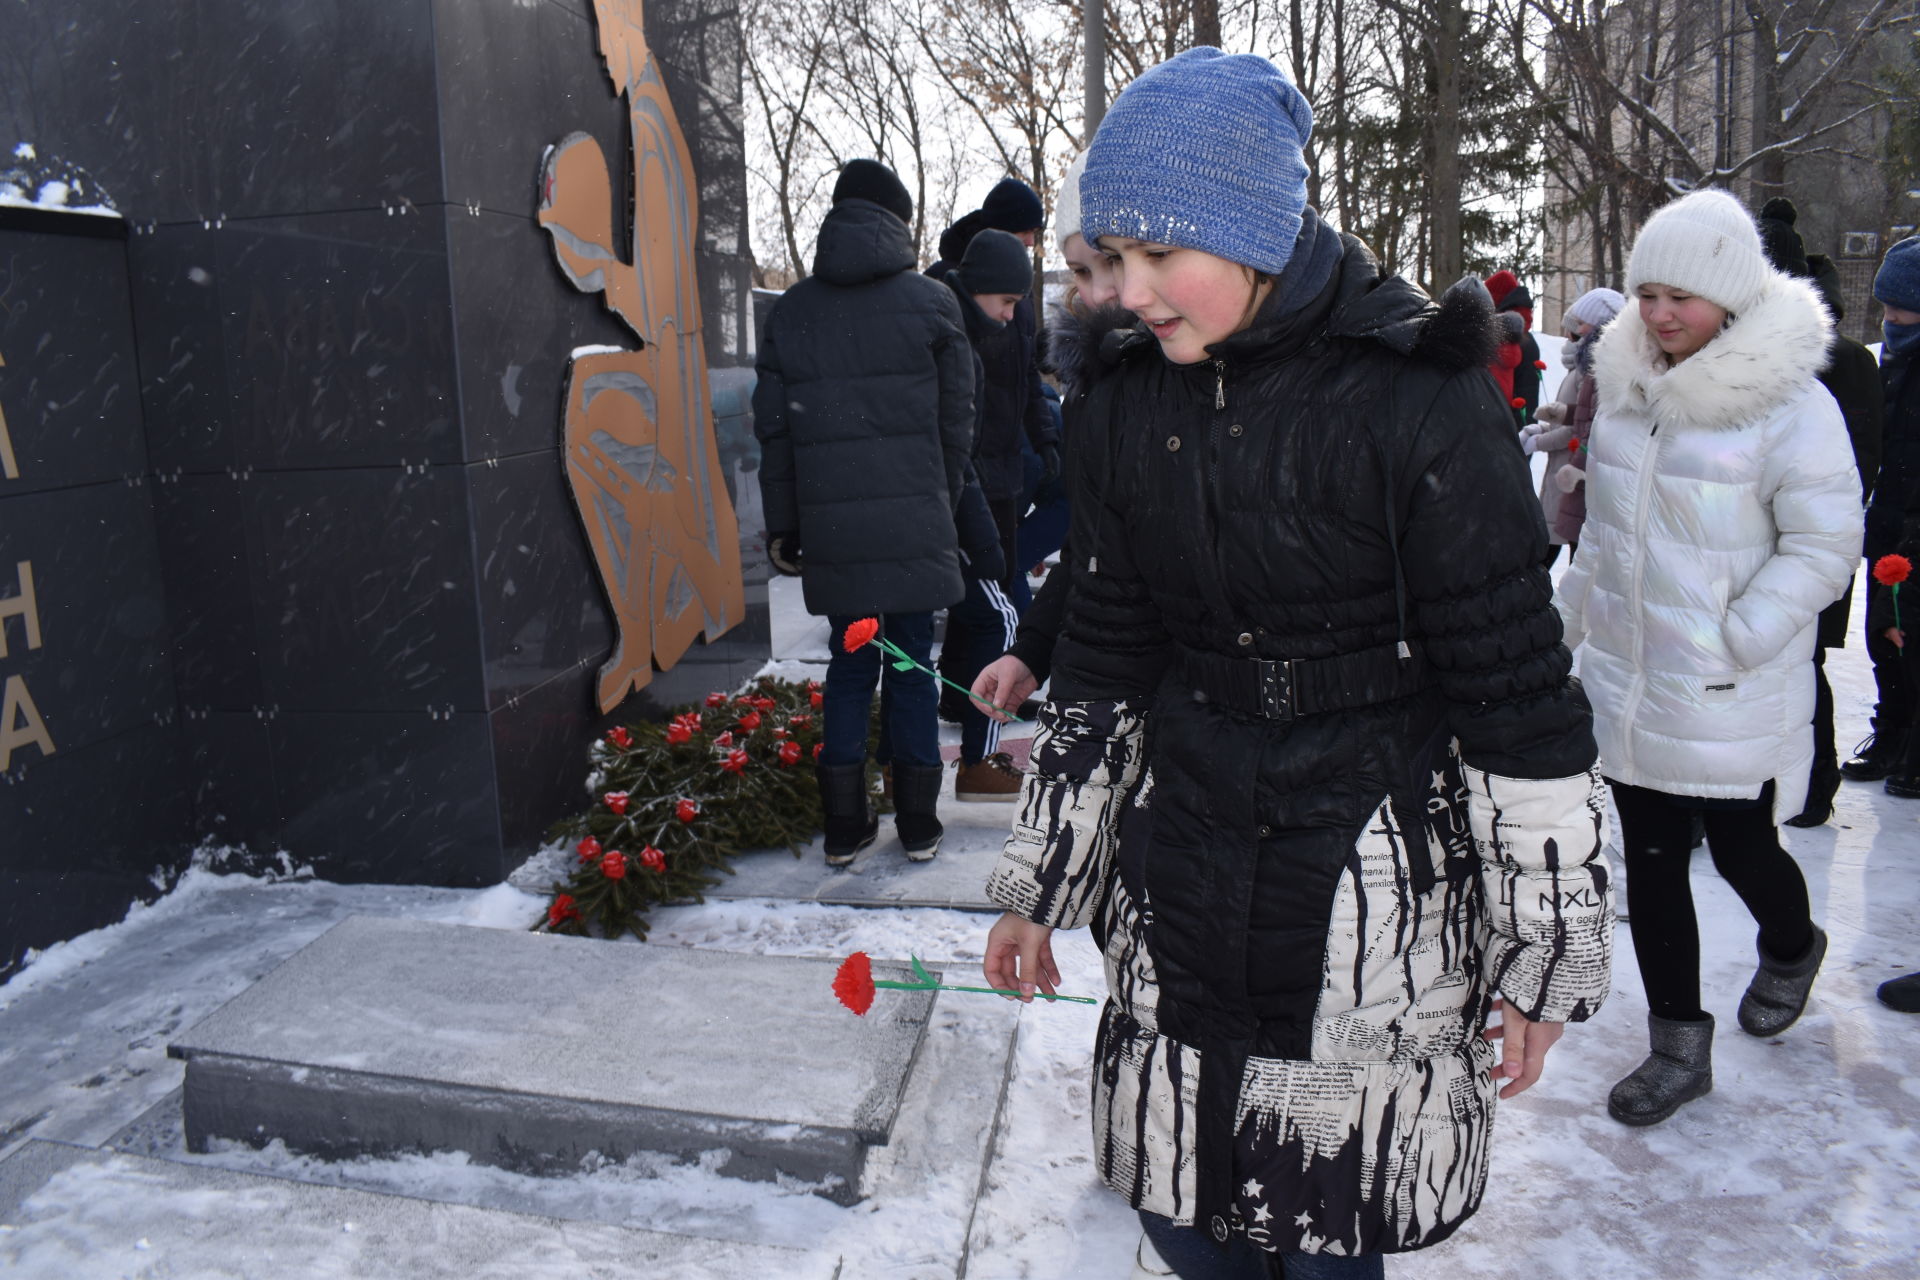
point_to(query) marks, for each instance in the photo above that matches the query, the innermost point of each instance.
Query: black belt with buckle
(1284, 688)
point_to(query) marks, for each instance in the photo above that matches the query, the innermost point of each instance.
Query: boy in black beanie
(865, 413)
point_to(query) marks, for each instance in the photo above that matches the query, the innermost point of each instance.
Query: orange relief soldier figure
(640, 451)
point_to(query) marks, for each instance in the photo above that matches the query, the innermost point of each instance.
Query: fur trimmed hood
(1756, 364)
(1076, 348)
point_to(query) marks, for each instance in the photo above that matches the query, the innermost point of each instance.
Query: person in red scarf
(1516, 366)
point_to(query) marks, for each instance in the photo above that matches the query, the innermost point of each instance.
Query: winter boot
(1904, 786)
(1147, 1262)
(1821, 786)
(916, 800)
(852, 824)
(1875, 757)
(1679, 1069)
(1901, 994)
(1779, 988)
(995, 778)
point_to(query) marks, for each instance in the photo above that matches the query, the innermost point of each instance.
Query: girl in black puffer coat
(1311, 767)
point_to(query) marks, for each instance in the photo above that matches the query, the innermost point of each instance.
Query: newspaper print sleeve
(1548, 894)
(1055, 867)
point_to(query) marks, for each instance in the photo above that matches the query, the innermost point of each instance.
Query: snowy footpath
(1803, 1162)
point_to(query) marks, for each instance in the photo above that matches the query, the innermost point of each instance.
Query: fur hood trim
(1074, 344)
(1756, 364)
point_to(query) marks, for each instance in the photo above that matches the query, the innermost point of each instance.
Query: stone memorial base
(532, 1051)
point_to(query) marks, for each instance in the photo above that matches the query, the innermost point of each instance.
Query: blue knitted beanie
(1898, 283)
(1203, 152)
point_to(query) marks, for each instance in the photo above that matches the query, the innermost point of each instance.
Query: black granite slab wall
(330, 576)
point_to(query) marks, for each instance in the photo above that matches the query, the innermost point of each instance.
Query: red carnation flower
(749, 722)
(1518, 402)
(716, 699)
(860, 632)
(1539, 364)
(816, 749)
(614, 865)
(1891, 570)
(778, 732)
(800, 722)
(561, 911)
(724, 740)
(678, 733)
(1573, 445)
(616, 801)
(686, 811)
(653, 860)
(853, 982)
(619, 737)
(763, 703)
(789, 753)
(736, 762)
(816, 698)
(589, 849)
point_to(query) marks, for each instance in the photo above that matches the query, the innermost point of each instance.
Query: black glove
(1050, 460)
(784, 550)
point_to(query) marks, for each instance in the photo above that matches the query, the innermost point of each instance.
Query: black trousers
(1656, 832)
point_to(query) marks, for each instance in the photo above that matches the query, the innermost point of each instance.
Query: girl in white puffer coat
(1723, 514)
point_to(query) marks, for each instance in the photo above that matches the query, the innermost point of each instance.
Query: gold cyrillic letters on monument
(21, 723)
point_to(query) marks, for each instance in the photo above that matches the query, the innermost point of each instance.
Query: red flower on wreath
(736, 762)
(853, 982)
(1892, 569)
(724, 740)
(860, 632)
(614, 865)
(789, 753)
(588, 849)
(816, 698)
(686, 811)
(678, 733)
(716, 699)
(619, 737)
(749, 722)
(561, 911)
(779, 732)
(800, 722)
(763, 703)
(653, 860)
(816, 749)
(616, 801)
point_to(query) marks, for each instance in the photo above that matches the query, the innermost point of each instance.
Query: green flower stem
(893, 650)
(989, 991)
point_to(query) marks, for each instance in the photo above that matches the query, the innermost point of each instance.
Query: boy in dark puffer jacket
(865, 413)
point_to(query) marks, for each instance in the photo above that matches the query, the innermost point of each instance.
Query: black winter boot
(916, 800)
(1875, 758)
(852, 824)
(1679, 1069)
(1901, 994)
(1822, 784)
(1779, 988)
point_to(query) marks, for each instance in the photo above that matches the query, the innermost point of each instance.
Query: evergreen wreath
(675, 802)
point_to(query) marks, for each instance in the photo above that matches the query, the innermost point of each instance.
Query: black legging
(1656, 834)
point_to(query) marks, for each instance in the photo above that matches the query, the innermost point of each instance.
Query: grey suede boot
(852, 824)
(1679, 1069)
(1779, 988)
(916, 801)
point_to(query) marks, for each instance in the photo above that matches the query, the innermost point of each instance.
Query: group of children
(1312, 764)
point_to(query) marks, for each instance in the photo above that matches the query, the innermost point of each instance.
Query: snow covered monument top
(305, 572)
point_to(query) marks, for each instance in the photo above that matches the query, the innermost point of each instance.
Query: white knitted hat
(1066, 204)
(1706, 244)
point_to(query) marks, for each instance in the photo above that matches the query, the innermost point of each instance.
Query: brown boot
(996, 778)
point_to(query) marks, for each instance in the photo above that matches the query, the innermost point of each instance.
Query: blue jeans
(910, 733)
(1195, 1257)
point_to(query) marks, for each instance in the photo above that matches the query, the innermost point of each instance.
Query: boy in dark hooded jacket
(865, 413)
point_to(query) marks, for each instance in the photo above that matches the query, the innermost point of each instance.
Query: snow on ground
(1804, 1162)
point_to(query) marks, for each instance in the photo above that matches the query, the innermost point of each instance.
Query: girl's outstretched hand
(1524, 1047)
(1020, 956)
